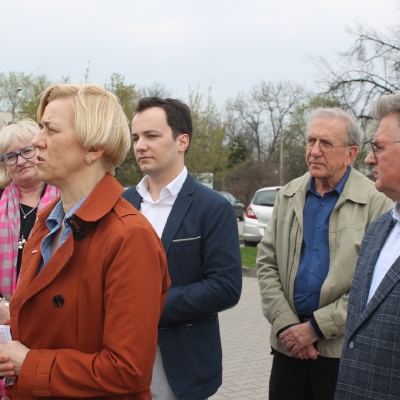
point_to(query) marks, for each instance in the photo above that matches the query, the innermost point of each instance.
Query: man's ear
(183, 142)
(353, 151)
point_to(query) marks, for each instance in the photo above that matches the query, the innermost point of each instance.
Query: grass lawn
(249, 255)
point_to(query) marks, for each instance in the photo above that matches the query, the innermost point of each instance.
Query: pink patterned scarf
(9, 233)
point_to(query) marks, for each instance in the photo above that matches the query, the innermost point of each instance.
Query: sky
(226, 45)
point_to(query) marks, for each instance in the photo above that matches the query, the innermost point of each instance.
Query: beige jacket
(279, 255)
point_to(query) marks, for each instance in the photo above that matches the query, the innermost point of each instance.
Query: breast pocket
(185, 261)
(187, 241)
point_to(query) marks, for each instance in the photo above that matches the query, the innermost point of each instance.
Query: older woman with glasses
(22, 195)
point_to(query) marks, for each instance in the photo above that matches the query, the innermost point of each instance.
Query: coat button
(351, 345)
(58, 300)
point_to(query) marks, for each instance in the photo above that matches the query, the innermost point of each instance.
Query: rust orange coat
(101, 341)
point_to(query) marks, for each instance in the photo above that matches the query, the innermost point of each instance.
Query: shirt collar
(57, 214)
(396, 212)
(173, 187)
(338, 188)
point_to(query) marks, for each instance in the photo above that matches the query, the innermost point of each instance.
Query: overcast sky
(229, 45)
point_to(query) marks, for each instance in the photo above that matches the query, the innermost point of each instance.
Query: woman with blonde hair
(84, 316)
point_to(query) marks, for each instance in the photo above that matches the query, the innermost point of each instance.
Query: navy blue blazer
(201, 241)
(370, 363)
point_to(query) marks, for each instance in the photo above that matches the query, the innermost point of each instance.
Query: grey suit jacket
(370, 363)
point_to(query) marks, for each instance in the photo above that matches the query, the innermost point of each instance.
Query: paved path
(245, 343)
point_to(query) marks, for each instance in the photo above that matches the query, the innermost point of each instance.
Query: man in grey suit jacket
(198, 228)
(370, 364)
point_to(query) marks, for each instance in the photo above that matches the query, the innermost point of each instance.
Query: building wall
(5, 118)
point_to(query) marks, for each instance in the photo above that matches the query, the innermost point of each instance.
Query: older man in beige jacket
(307, 258)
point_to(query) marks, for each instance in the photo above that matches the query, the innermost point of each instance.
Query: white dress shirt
(388, 255)
(157, 212)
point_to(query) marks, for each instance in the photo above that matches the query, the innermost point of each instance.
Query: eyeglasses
(376, 148)
(11, 159)
(324, 145)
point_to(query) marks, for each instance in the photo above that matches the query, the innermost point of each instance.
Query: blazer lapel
(379, 237)
(391, 279)
(178, 212)
(133, 197)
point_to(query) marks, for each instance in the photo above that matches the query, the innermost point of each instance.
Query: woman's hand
(12, 356)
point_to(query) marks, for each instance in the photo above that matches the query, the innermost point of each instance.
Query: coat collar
(354, 190)
(98, 203)
(102, 199)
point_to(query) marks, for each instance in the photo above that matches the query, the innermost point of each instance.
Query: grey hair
(354, 133)
(385, 105)
(23, 131)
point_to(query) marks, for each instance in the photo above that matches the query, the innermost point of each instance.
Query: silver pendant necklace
(22, 240)
(25, 215)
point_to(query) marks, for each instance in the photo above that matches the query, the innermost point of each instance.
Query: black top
(26, 226)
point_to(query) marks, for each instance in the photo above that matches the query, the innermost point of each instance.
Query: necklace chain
(33, 209)
(22, 240)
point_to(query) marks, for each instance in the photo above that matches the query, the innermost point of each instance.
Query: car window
(228, 196)
(231, 198)
(265, 198)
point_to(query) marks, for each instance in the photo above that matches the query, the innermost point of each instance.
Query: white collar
(173, 187)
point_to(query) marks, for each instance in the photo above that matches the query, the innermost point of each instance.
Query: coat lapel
(378, 238)
(33, 281)
(133, 197)
(96, 206)
(178, 212)
(388, 282)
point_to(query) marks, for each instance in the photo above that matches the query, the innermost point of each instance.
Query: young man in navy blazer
(198, 228)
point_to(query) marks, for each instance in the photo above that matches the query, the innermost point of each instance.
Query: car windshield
(229, 197)
(265, 198)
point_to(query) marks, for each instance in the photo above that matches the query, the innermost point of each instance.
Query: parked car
(258, 215)
(236, 204)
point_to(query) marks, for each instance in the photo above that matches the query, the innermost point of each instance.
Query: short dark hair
(178, 114)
